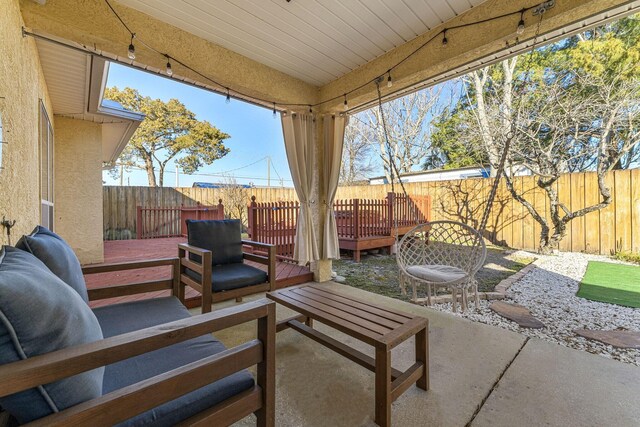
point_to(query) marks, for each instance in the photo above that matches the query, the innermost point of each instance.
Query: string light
(228, 100)
(169, 69)
(132, 49)
(346, 104)
(310, 109)
(275, 113)
(520, 28)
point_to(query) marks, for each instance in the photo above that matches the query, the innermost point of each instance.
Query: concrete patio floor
(480, 375)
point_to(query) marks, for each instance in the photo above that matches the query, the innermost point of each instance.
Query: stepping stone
(517, 313)
(615, 338)
(340, 279)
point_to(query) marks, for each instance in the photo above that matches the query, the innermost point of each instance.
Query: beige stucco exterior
(22, 85)
(78, 191)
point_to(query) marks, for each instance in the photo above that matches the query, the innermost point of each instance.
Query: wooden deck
(288, 274)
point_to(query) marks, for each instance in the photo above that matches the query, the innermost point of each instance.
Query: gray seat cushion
(39, 313)
(222, 237)
(57, 255)
(436, 273)
(131, 316)
(232, 276)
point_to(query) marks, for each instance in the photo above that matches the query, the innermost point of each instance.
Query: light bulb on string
(132, 49)
(445, 41)
(346, 104)
(169, 69)
(228, 99)
(274, 110)
(389, 81)
(310, 109)
(520, 28)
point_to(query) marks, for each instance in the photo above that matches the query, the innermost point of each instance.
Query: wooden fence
(274, 223)
(154, 223)
(356, 220)
(615, 227)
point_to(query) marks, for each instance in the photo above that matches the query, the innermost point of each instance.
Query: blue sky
(255, 134)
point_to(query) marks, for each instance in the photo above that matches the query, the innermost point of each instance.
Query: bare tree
(235, 199)
(407, 121)
(563, 114)
(357, 162)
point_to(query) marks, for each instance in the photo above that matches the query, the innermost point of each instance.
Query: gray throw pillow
(56, 254)
(222, 237)
(39, 314)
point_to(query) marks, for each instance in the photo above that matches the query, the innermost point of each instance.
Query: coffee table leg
(383, 386)
(422, 355)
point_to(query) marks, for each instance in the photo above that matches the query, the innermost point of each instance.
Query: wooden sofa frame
(130, 401)
(204, 270)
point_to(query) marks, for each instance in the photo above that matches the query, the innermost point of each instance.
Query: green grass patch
(613, 283)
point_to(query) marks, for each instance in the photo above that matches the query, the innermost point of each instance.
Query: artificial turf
(612, 283)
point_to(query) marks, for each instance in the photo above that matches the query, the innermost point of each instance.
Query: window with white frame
(46, 169)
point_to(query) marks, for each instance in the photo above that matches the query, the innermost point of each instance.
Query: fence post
(220, 209)
(391, 199)
(139, 222)
(252, 220)
(356, 218)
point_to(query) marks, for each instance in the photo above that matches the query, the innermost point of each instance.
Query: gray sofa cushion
(39, 313)
(56, 254)
(127, 317)
(222, 237)
(231, 276)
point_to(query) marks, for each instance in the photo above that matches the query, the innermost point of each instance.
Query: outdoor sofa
(213, 262)
(146, 362)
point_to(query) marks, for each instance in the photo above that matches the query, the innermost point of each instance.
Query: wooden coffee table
(378, 326)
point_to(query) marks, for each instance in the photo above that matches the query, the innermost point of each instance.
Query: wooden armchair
(204, 271)
(213, 262)
(137, 398)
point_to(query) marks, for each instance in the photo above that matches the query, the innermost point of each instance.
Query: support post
(252, 219)
(391, 200)
(383, 386)
(139, 222)
(266, 375)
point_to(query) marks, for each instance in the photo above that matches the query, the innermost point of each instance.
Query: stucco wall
(78, 191)
(22, 85)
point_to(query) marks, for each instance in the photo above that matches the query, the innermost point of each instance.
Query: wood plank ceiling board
(314, 40)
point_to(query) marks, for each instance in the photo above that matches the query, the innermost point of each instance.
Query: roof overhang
(76, 82)
(276, 52)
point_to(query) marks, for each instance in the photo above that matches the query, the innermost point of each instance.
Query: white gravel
(549, 292)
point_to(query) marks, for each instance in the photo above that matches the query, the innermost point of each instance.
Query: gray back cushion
(39, 314)
(222, 237)
(56, 254)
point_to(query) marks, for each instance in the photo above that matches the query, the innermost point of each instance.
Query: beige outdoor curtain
(333, 131)
(299, 134)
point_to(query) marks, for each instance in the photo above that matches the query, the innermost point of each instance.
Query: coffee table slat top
(380, 311)
(356, 311)
(367, 322)
(342, 325)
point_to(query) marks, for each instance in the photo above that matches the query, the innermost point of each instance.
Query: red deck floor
(287, 274)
